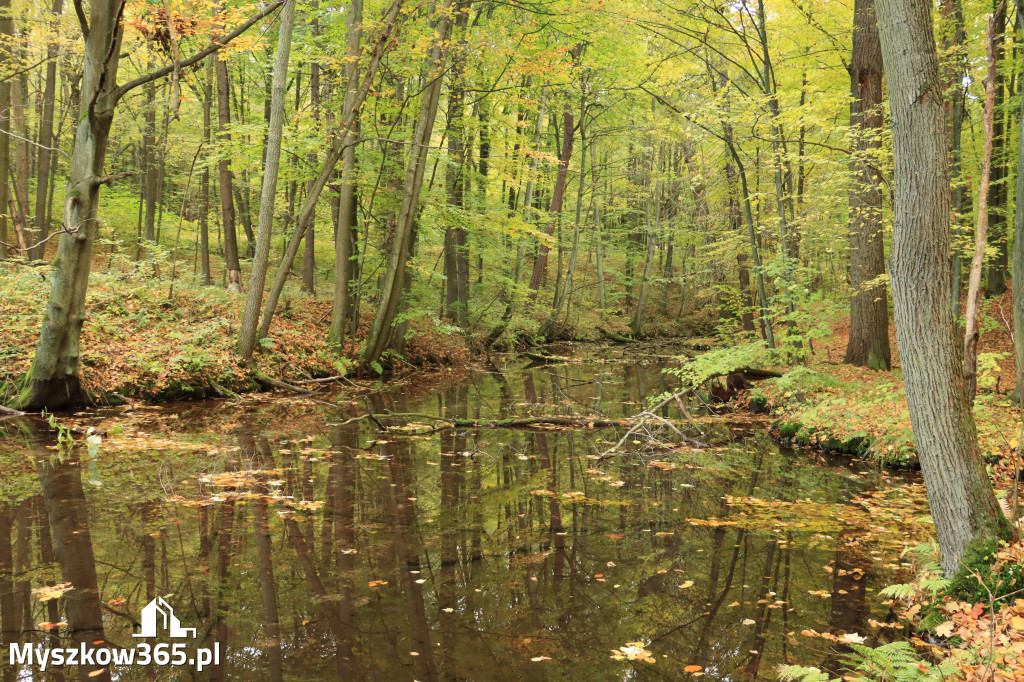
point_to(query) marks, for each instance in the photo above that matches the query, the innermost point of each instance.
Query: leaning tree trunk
(272, 163)
(960, 494)
(52, 381)
(393, 282)
(869, 305)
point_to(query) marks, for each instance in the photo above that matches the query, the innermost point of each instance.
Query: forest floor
(141, 341)
(829, 404)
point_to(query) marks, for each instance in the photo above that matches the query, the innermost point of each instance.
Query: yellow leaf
(1017, 623)
(692, 669)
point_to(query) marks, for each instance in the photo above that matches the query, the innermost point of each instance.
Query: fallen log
(517, 422)
(265, 381)
(612, 336)
(544, 359)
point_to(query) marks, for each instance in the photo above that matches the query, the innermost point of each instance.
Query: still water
(303, 543)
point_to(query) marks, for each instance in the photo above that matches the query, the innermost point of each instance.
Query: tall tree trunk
(1018, 238)
(652, 244)
(456, 258)
(19, 181)
(272, 163)
(225, 179)
(53, 381)
(996, 268)
(541, 263)
(562, 295)
(963, 504)
(954, 72)
(6, 57)
(46, 139)
(151, 168)
(868, 345)
(204, 203)
(309, 254)
(393, 281)
(343, 243)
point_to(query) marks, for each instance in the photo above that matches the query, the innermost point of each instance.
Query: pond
(301, 542)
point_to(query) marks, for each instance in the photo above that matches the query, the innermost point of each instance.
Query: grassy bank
(141, 341)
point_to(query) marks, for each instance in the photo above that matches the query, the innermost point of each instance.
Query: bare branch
(82, 21)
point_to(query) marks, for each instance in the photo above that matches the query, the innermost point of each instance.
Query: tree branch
(198, 56)
(82, 21)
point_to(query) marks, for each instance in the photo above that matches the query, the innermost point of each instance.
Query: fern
(894, 662)
(899, 591)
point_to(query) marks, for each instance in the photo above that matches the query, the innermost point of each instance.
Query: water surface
(308, 545)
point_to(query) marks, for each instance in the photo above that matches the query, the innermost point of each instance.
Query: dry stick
(971, 327)
(648, 414)
(181, 217)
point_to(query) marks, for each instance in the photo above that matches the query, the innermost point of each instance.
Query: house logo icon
(159, 610)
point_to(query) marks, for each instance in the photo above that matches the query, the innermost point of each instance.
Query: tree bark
(868, 345)
(960, 494)
(272, 163)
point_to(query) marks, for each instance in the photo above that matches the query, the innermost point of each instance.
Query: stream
(302, 543)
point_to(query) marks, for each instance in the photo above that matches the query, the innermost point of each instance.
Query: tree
(272, 162)
(869, 305)
(52, 381)
(963, 504)
(392, 285)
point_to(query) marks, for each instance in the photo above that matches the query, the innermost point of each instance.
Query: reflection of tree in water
(69, 524)
(479, 562)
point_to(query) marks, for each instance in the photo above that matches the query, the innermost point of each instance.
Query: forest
(535, 339)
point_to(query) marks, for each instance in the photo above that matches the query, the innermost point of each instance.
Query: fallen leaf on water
(48, 592)
(688, 583)
(693, 669)
(749, 621)
(538, 659)
(378, 583)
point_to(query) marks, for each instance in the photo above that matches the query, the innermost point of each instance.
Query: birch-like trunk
(272, 163)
